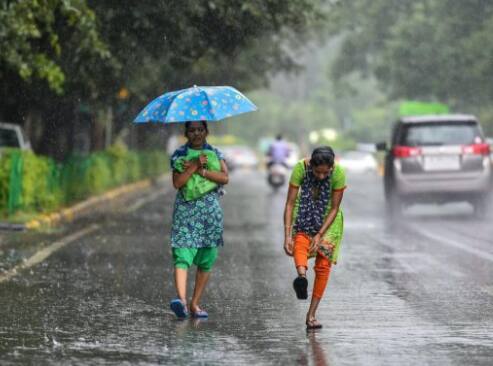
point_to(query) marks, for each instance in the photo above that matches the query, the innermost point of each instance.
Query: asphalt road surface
(417, 292)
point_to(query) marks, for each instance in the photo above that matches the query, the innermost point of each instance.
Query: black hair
(187, 126)
(323, 155)
(279, 137)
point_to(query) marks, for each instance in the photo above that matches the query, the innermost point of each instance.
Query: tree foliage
(66, 63)
(167, 45)
(36, 35)
(421, 49)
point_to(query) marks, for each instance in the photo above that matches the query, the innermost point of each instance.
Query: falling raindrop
(56, 344)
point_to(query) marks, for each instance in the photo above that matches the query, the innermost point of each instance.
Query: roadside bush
(134, 167)
(5, 167)
(118, 156)
(98, 176)
(154, 163)
(38, 190)
(31, 183)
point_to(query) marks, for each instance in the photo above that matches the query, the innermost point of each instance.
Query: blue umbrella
(199, 103)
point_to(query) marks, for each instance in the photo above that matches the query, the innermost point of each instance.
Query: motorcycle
(277, 175)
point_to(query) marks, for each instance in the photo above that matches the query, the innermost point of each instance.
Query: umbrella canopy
(199, 103)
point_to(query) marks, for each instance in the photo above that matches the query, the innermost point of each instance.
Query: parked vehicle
(437, 159)
(358, 162)
(12, 136)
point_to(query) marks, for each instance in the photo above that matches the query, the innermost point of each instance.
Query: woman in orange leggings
(313, 223)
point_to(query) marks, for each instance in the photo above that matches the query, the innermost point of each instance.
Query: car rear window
(442, 133)
(8, 138)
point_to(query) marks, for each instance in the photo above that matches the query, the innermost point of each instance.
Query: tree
(71, 59)
(48, 47)
(32, 41)
(169, 45)
(428, 49)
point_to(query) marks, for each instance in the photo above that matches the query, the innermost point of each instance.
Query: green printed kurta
(197, 223)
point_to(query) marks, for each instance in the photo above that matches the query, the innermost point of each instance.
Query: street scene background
(86, 198)
(417, 293)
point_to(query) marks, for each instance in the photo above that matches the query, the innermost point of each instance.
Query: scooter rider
(278, 152)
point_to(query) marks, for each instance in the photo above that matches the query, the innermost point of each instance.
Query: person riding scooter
(277, 166)
(278, 152)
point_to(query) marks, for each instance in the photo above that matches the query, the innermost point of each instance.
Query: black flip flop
(313, 324)
(300, 285)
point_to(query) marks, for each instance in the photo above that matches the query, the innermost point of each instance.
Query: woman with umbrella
(199, 171)
(313, 222)
(197, 226)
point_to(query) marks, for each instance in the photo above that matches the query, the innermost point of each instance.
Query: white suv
(437, 159)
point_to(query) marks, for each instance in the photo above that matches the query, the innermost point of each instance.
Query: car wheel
(394, 205)
(480, 205)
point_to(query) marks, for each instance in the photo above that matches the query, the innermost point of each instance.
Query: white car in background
(294, 154)
(240, 156)
(357, 162)
(11, 135)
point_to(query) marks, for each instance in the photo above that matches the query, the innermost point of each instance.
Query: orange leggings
(322, 264)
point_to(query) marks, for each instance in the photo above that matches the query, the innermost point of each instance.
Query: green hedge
(33, 184)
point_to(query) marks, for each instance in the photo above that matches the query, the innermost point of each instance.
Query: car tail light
(406, 151)
(476, 149)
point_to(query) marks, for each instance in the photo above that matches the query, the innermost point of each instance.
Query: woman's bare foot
(312, 323)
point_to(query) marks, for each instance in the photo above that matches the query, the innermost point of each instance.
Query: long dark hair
(187, 126)
(323, 155)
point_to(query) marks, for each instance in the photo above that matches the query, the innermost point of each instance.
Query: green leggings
(203, 258)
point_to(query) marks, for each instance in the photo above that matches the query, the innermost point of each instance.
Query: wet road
(417, 293)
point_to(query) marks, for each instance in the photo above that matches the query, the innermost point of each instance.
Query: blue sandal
(179, 308)
(200, 314)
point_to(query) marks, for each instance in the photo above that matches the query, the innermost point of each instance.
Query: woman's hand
(195, 164)
(288, 217)
(315, 243)
(288, 246)
(202, 160)
(191, 165)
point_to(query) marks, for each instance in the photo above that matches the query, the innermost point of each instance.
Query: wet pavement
(415, 293)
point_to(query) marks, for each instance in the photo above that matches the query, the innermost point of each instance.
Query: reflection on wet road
(420, 292)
